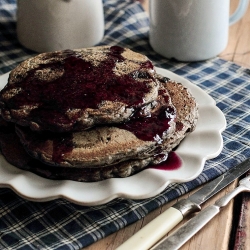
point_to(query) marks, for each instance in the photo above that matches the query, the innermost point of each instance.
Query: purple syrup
(61, 146)
(150, 128)
(173, 162)
(62, 142)
(81, 86)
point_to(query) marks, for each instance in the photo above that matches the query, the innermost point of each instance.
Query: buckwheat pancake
(16, 155)
(186, 112)
(104, 146)
(139, 138)
(92, 114)
(74, 90)
(186, 119)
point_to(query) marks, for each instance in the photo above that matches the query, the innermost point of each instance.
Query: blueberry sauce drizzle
(62, 146)
(150, 128)
(81, 86)
(88, 87)
(173, 162)
(62, 142)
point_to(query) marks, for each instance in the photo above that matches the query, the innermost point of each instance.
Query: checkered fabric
(60, 224)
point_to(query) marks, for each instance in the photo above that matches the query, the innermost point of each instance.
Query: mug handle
(239, 12)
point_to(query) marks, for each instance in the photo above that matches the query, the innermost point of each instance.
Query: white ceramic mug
(49, 25)
(191, 30)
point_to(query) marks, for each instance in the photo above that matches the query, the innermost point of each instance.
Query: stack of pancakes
(92, 114)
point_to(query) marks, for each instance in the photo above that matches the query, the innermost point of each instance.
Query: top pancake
(74, 90)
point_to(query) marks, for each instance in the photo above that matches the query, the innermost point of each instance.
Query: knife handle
(153, 231)
(188, 230)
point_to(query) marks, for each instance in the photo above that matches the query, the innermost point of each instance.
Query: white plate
(204, 143)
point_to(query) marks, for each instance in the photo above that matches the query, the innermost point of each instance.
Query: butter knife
(162, 224)
(190, 228)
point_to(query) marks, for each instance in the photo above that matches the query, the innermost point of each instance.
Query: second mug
(191, 30)
(48, 25)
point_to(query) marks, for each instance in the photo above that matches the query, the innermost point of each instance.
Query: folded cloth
(60, 224)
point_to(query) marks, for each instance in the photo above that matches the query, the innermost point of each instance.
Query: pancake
(92, 114)
(108, 146)
(16, 155)
(73, 90)
(186, 119)
(104, 145)
(186, 112)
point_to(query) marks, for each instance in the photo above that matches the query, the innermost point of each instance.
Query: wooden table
(221, 232)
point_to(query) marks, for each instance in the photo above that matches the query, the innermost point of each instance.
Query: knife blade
(190, 228)
(162, 224)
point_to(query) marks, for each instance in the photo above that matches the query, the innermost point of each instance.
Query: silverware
(162, 224)
(189, 229)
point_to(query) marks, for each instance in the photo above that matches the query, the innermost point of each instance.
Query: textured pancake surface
(187, 115)
(186, 112)
(74, 90)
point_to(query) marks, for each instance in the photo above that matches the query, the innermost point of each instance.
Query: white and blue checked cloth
(62, 225)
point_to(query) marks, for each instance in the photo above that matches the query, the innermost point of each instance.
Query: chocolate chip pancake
(74, 90)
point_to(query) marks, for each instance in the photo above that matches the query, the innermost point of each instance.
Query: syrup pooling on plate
(173, 162)
(81, 85)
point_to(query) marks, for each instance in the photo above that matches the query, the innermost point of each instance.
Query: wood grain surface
(217, 235)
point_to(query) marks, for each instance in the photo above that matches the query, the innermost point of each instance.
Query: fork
(189, 229)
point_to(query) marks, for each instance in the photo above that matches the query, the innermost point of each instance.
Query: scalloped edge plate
(204, 143)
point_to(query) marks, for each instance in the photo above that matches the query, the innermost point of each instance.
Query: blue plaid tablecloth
(60, 224)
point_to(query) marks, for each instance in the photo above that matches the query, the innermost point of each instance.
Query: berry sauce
(62, 142)
(61, 146)
(81, 86)
(173, 162)
(150, 128)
